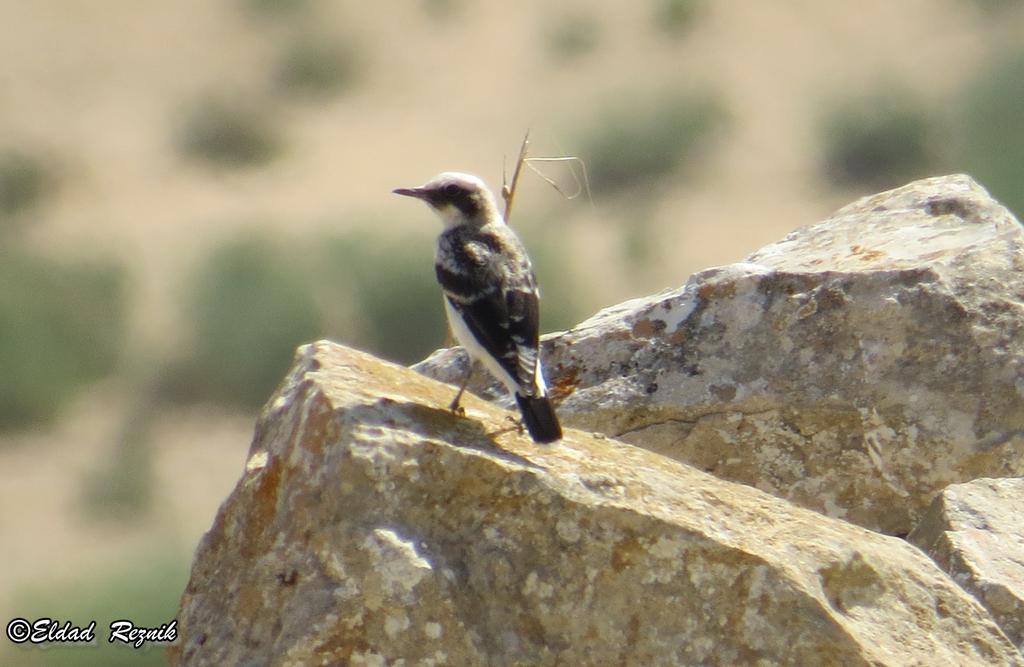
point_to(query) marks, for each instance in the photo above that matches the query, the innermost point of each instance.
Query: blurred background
(190, 189)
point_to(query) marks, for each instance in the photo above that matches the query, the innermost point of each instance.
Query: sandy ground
(48, 534)
(99, 87)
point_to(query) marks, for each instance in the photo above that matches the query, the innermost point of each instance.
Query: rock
(857, 367)
(974, 532)
(373, 527)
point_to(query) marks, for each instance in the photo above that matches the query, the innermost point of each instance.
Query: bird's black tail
(540, 418)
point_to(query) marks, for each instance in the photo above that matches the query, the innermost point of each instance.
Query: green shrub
(250, 306)
(229, 133)
(145, 589)
(570, 37)
(316, 66)
(395, 303)
(634, 148)
(993, 7)
(563, 301)
(442, 10)
(881, 140)
(675, 17)
(61, 327)
(23, 182)
(993, 130)
(120, 486)
(276, 8)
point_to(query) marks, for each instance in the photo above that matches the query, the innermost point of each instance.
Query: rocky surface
(974, 532)
(373, 527)
(856, 367)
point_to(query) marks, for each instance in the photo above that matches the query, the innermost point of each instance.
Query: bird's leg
(454, 406)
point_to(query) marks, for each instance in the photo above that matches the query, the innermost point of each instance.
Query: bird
(490, 294)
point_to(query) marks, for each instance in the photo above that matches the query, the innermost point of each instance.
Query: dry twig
(508, 190)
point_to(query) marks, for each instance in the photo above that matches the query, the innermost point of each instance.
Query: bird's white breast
(475, 349)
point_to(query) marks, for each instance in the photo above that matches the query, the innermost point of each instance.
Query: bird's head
(458, 199)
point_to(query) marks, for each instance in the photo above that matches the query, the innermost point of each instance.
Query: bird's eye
(452, 190)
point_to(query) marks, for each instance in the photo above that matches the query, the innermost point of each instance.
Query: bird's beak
(418, 193)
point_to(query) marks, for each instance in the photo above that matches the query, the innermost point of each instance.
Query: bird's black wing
(495, 294)
(524, 324)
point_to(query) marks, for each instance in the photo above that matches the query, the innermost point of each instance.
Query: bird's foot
(457, 409)
(517, 424)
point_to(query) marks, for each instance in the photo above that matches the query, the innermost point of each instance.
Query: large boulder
(974, 532)
(373, 527)
(856, 367)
